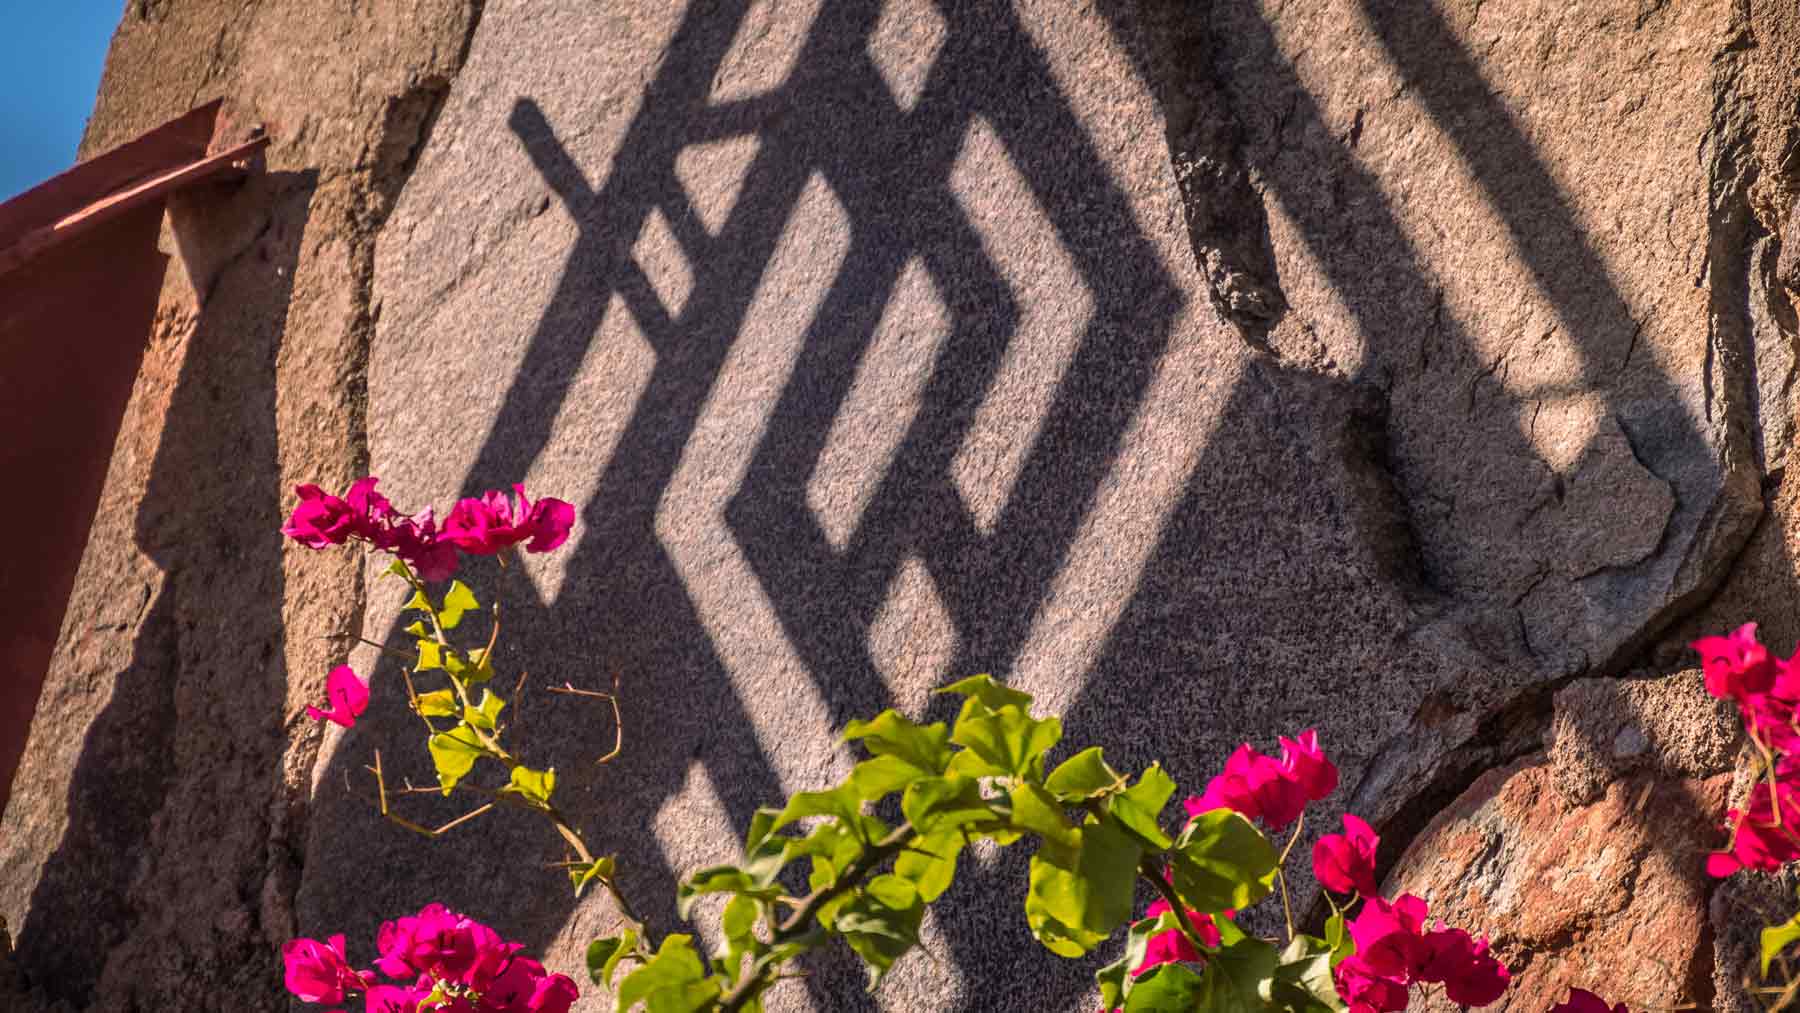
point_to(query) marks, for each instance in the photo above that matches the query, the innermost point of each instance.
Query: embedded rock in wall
(1210, 371)
(1585, 865)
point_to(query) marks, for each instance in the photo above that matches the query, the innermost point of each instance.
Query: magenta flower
(319, 972)
(1736, 665)
(349, 697)
(1367, 992)
(1173, 946)
(1757, 841)
(395, 999)
(485, 526)
(1255, 785)
(1307, 766)
(467, 964)
(553, 993)
(1345, 862)
(1388, 936)
(1470, 974)
(1583, 1001)
(416, 540)
(321, 519)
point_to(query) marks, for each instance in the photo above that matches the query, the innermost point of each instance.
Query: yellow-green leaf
(487, 714)
(439, 703)
(457, 600)
(535, 785)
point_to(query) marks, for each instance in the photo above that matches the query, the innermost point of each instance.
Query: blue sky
(50, 57)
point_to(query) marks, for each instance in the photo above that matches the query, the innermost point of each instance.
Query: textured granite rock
(1210, 370)
(150, 853)
(1574, 859)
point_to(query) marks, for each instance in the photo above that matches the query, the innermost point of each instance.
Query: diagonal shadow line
(1562, 259)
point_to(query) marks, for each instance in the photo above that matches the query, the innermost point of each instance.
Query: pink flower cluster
(478, 527)
(465, 963)
(1270, 790)
(1394, 952)
(1767, 691)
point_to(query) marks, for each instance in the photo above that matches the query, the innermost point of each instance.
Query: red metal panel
(80, 276)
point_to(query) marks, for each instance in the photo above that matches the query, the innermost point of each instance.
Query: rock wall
(1418, 372)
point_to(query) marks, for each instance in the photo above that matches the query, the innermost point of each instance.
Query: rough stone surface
(1210, 370)
(1573, 894)
(1606, 729)
(150, 853)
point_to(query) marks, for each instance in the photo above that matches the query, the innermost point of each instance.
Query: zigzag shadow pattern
(720, 547)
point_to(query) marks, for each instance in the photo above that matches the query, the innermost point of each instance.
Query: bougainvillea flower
(485, 526)
(554, 993)
(1307, 766)
(394, 999)
(1470, 974)
(1389, 938)
(348, 695)
(1583, 1001)
(418, 542)
(1346, 862)
(1173, 945)
(1735, 665)
(1757, 841)
(319, 972)
(1255, 785)
(321, 519)
(1364, 991)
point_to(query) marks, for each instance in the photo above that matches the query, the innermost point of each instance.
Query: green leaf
(1115, 979)
(1139, 807)
(892, 734)
(765, 854)
(738, 922)
(1776, 938)
(1302, 980)
(487, 714)
(583, 874)
(1074, 906)
(1239, 975)
(457, 600)
(453, 753)
(929, 862)
(604, 956)
(841, 802)
(991, 694)
(1007, 740)
(1221, 862)
(1033, 809)
(417, 603)
(1168, 988)
(534, 785)
(430, 656)
(1337, 936)
(418, 629)
(1083, 776)
(719, 879)
(439, 703)
(938, 803)
(873, 779)
(881, 922)
(831, 846)
(399, 569)
(674, 981)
